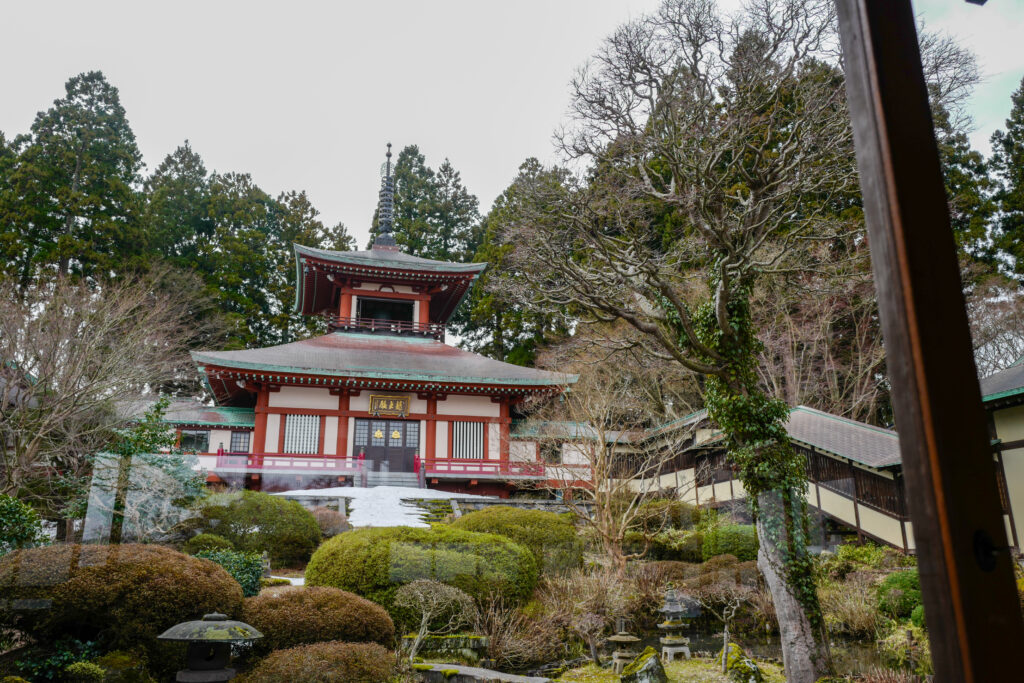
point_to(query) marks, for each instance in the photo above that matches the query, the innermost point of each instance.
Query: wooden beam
(966, 572)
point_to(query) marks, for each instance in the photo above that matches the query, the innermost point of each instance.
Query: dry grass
(851, 606)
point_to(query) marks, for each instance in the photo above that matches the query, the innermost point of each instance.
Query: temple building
(379, 399)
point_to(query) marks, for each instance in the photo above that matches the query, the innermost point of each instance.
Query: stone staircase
(392, 479)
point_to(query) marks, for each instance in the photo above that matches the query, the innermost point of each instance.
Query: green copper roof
(196, 413)
(1004, 384)
(386, 258)
(345, 354)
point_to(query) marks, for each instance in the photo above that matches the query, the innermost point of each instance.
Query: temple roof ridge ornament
(386, 209)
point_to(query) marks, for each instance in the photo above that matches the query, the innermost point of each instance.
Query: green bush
(120, 596)
(20, 526)
(658, 515)
(333, 662)
(257, 522)
(899, 593)
(48, 662)
(672, 545)
(122, 666)
(274, 581)
(549, 536)
(316, 615)
(201, 542)
(374, 562)
(84, 672)
(917, 617)
(731, 539)
(245, 568)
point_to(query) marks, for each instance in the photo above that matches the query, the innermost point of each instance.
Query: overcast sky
(304, 95)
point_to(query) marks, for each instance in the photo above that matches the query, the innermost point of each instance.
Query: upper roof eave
(387, 259)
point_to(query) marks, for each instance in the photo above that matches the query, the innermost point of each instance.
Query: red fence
(435, 330)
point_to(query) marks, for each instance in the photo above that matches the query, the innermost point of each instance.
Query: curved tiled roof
(1005, 383)
(388, 258)
(857, 441)
(349, 354)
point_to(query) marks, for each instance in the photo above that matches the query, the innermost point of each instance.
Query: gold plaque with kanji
(392, 406)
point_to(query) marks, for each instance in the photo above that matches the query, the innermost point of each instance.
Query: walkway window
(239, 442)
(301, 433)
(468, 440)
(195, 440)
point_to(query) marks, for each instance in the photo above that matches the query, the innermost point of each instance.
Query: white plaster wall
(1009, 423)
(840, 508)
(705, 494)
(476, 406)
(350, 447)
(493, 441)
(220, 438)
(331, 435)
(910, 535)
(522, 451)
(572, 454)
(441, 443)
(303, 397)
(360, 402)
(883, 526)
(722, 491)
(273, 430)
(1013, 467)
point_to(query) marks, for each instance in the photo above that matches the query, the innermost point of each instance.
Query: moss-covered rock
(84, 672)
(739, 666)
(646, 668)
(123, 666)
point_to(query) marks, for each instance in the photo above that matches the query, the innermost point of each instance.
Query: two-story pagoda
(380, 399)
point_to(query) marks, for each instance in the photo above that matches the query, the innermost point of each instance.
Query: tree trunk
(805, 651)
(725, 647)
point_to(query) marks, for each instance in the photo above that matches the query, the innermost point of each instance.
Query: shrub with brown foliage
(516, 641)
(315, 615)
(122, 596)
(333, 662)
(331, 522)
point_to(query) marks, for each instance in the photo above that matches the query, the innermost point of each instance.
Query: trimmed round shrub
(20, 526)
(121, 596)
(550, 537)
(245, 568)
(374, 562)
(331, 522)
(257, 522)
(326, 663)
(899, 593)
(314, 615)
(731, 539)
(84, 672)
(201, 542)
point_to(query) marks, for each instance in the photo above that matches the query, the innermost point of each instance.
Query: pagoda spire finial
(386, 209)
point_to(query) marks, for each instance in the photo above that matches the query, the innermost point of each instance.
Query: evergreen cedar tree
(1008, 168)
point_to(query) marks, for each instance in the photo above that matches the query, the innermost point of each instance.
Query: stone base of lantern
(620, 658)
(669, 652)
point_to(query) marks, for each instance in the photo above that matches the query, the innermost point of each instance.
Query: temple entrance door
(390, 445)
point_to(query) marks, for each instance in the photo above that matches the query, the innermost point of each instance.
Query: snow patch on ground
(381, 505)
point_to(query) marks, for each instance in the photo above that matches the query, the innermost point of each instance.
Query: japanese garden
(642, 418)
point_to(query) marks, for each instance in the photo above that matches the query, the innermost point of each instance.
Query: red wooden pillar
(343, 402)
(345, 308)
(431, 450)
(504, 443)
(424, 310)
(259, 438)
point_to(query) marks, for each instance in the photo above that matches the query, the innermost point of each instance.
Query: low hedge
(899, 593)
(201, 542)
(374, 562)
(658, 515)
(326, 663)
(257, 522)
(551, 537)
(245, 568)
(121, 596)
(314, 615)
(731, 539)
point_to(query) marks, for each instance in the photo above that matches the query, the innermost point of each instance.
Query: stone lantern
(677, 610)
(209, 646)
(623, 643)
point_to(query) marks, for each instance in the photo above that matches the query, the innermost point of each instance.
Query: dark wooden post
(966, 572)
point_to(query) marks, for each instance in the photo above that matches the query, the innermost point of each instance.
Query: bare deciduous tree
(438, 607)
(603, 462)
(71, 355)
(995, 307)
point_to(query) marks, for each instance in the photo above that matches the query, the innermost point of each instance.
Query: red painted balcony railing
(435, 330)
(484, 468)
(290, 463)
